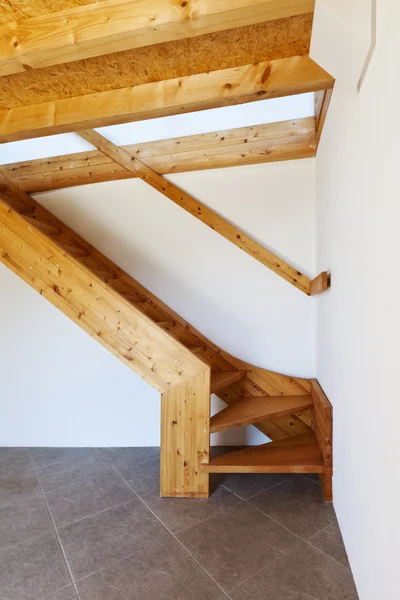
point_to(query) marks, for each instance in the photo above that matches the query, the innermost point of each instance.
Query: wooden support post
(322, 425)
(185, 438)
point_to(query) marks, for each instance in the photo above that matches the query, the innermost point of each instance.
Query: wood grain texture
(320, 283)
(223, 379)
(185, 438)
(286, 140)
(322, 101)
(322, 425)
(211, 52)
(118, 25)
(250, 410)
(271, 79)
(297, 454)
(200, 211)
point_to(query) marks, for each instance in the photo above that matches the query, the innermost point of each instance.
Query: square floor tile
(140, 467)
(160, 569)
(105, 538)
(22, 522)
(305, 574)
(246, 485)
(33, 569)
(237, 543)
(72, 471)
(44, 457)
(297, 504)
(15, 460)
(179, 513)
(18, 488)
(67, 593)
(330, 542)
(69, 503)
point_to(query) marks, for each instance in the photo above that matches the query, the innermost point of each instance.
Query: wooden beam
(248, 83)
(320, 284)
(287, 140)
(322, 101)
(118, 25)
(200, 211)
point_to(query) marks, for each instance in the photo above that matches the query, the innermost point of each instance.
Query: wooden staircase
(175, 358)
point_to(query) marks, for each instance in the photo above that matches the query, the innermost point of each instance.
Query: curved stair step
(222, 379)
(297, 454)
(252, 409)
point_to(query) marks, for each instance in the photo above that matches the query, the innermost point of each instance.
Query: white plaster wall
(59, 387)
(358, 356)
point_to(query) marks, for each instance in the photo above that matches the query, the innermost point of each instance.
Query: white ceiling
(216, 119)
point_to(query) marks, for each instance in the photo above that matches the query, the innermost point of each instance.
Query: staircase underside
(166, 351)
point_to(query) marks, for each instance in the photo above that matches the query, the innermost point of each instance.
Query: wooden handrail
(199, 210)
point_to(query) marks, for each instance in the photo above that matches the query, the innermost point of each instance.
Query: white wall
(59, 387)
(358, 356)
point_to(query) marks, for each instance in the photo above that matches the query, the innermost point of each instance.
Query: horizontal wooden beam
(271, 79)
(286, 140)
(118, 25)
(200, 211)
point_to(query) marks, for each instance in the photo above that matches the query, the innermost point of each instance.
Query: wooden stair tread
(297, 454)
(252, 409)
(195, 349)
(223, 379)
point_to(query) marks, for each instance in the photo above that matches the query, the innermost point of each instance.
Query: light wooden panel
(185, 438)
(322, 101)
(322, 425)
(200, 211)
(298, 454)
(286, 140)
(208, 90)
(253, 409)
(211, 52)
(117, 25)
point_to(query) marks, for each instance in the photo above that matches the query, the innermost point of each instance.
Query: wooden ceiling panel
(211, 52)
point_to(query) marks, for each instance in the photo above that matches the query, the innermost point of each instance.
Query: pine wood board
(248, 83)
(286, 140)
(297, 454)
(117, 25)
(239, 46)
(250, 410)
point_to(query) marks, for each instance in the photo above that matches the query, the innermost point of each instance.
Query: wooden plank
(270, 79)
(118, 25)
(286, 140)
(320, 283)
(223, 379)
(253, 409)
(322, 424)
(322, 100)
(297, 454)
(185, 439)
(247, 45)
(200, 211)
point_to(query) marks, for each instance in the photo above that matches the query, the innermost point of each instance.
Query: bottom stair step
(297, 454)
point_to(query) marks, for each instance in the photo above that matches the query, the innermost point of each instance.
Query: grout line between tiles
(165, 527)
(258, 493)
(56, 533)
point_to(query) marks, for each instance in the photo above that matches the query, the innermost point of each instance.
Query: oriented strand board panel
(245, 45)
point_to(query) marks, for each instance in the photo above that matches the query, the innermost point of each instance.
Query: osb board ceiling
(211, 52)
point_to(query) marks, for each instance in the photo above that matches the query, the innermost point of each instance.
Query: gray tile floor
(88, 524)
